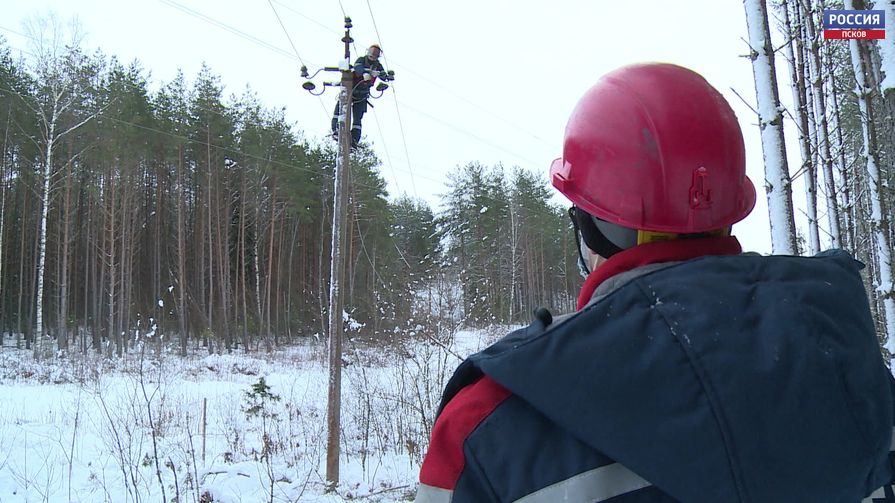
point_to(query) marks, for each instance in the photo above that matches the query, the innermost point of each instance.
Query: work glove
(367, 76)
(375, 73)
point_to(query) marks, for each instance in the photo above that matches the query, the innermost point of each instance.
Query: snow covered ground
(224, 428)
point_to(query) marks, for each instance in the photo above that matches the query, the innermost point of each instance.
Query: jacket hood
(735, 378)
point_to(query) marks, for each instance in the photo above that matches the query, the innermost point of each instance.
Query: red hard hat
(655, 147)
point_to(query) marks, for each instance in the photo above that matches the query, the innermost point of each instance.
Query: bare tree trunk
(64, 274)
(289, 277)
(97, 264)
(127, 219)
(770, 121)
(91, 286)
(815, 71)
(110, 259)
(31, 279)
(200, 263)
(160, 217)
(513, 243)
(278, 283)
(797, 71)
(845, 179)
(223, 241)
(321, 295)
(210, 236)
(259, 314)
(3, 183)
(241, 288)
(270, 266)
(23, 238)
(181, 257)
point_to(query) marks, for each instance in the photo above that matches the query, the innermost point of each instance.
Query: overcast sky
(491, 81)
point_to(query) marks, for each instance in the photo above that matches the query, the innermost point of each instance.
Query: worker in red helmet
(691, 371)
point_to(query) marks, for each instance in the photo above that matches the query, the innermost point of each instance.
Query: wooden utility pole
(337, 268)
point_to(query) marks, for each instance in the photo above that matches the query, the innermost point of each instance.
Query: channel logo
(854, 24)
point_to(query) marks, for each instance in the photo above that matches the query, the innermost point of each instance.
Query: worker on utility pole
(367, 69)
(354, 92)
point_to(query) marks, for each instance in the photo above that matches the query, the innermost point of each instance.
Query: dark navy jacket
(721, 378)
(361, 89)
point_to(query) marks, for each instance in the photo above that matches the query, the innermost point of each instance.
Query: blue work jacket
(694, 373)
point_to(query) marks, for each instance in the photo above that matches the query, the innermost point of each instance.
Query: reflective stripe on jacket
(727, 377)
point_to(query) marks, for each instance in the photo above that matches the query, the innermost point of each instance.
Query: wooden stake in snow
(204, 422)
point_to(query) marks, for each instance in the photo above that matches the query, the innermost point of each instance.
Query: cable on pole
(275, 13)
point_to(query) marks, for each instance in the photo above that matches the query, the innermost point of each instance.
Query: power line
(14, 31)
(222, 148)
(404, 141)
(277, 50)
(282, 52)
(318, 23)
(477, 138)
(209, 144)
(387, 155)
(401, 123)
(23, 51)
(363, 245)
(397, 109)
(247, 36)
(375, 116)
(406, 69)
(231, 29)
(341, 6)
(187, 139)
(241, 153)
(285, 31)
(375, 28)
(480, 108)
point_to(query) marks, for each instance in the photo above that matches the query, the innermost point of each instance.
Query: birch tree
(56, 66)
(778, 185)
(162, 199)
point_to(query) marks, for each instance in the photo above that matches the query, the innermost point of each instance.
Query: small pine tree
(258, 401)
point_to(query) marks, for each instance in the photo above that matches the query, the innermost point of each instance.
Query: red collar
(651, 253)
